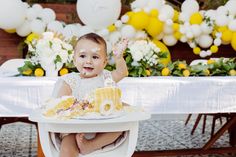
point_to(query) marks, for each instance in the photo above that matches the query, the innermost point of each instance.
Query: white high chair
(10, 67)
(127, 122)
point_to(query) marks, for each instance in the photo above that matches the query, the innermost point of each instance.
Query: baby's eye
(82, 56)
(95, 57)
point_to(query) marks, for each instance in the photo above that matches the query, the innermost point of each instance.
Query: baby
(90, 59)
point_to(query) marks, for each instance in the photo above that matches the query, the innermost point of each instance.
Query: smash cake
(101, 102)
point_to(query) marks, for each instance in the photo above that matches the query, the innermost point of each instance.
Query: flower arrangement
(143, 58)
(49, 52)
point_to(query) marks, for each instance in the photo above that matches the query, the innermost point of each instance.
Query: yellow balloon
(163, 48)
(227, 36)
(139, 20)
(111, 28)
(154, 13)
(10, 30)
(196, 18)
(176, 16)
(233, 42)
(155, 27)
(222, 28)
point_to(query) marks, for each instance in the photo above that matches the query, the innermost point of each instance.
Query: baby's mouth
(89, 69)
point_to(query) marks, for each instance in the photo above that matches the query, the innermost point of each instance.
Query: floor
(20, 140)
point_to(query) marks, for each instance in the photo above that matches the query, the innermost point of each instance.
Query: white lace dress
(81, 89)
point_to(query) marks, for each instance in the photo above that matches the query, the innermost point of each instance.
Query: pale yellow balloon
(10, 30)
(233, 41)
(163, 48)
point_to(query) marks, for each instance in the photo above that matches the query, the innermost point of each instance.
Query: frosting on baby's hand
(120, 47)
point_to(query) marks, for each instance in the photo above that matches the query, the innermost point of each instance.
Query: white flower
(50, 51)
(143, 50)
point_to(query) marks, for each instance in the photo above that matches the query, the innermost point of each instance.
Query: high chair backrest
(10, 67)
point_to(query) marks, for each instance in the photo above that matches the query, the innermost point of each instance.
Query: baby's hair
(95, 38)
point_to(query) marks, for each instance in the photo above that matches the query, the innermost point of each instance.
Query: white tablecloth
(159, 95)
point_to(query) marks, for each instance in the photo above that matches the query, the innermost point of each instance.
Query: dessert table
(159, 95)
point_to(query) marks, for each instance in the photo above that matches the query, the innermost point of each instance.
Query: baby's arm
(61, 88)
(121, 70)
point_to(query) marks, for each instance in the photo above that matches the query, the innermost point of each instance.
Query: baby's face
(90, 58)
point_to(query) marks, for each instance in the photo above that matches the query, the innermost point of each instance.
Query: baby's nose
(89, 60)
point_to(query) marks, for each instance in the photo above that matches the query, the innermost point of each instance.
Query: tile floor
(20, 140)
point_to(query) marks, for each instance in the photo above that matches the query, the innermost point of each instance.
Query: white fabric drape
(159, 95)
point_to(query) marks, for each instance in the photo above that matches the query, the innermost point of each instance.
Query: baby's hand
(120, 47)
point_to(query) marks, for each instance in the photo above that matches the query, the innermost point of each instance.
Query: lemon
(165, 72)
(63, 71)
(206, 72)
(186, 73)
(148, 72)
(27, 72)
(182, 66)
(210, 61)
(232, 72)
(38, 72)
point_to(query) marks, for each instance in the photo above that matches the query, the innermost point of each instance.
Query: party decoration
(12, 14)
(98, 14)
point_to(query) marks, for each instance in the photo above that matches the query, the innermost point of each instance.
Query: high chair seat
(127, 122)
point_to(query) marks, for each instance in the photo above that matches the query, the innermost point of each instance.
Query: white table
(159, 95)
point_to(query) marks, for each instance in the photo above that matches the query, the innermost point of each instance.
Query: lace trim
(71, 79)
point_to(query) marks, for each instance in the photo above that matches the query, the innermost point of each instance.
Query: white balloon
(55, 26)
(118, 24)
(24, 29)
(138, 4)
(190, 6)
(128, 31)
(189, 35)
(141, 35)
(37, 7)
(168, 29)
(232, 25)
(160, 36)
(125, 18)
(85, 30)
(183, 39)
(98, 14)
(169, 22)
(184, 17)
(203, 54)
(196, 30)
(114, 37)
(231, 6)
(37, 26)
(211, 14)
(169, 40)
(222, 20)
(109, 47)
(205, 28)
(12, 14)
(69, 31)
(205, 41)
(31, 14)
(168, 11)
(103, 32)
(222, 10)
(155, 4)
(217, 42)
(48, 15)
